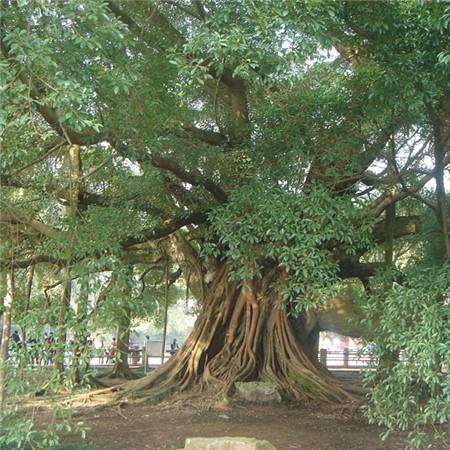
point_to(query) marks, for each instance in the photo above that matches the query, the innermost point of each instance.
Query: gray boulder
(258, 392)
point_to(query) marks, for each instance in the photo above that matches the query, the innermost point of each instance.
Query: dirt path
(288, 428)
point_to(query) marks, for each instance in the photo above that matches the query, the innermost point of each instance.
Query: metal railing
(152, 357)
(137, 357)
(344, 359)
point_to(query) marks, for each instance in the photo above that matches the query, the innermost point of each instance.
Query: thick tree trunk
(241, 335)
(307, 332)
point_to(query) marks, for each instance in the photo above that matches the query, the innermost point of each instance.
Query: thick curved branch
(381, 203)
(13, 217)
(195, 179)
(169, 227)
(353, 269)
(200, 8)
(206, 136)
(27, 262)
(403, 226)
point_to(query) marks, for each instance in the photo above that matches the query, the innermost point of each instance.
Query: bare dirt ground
(165, 426)
(136, 427)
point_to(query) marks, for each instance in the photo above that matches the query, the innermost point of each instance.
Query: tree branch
(237, 87)
(206, 136)
(13, 217)
(381, 203)
(169, 227)
(403, 226)
(40, 158)
(349, 268)
(195, 179)
(200, 8)
(27, 262)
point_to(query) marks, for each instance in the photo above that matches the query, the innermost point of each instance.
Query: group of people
(39, 352)
(42, 351)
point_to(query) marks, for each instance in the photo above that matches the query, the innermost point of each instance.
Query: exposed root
(120, 412)
(240, 336)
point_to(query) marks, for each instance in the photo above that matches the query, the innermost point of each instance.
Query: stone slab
(227, 443)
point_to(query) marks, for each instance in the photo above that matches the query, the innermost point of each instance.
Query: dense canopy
(270, 153)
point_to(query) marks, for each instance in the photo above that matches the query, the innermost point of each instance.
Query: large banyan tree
(262, 147)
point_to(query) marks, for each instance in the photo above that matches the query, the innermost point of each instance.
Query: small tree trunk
(389, 357)
(166, 309)
(441, 198)
(30, 279)
(74, 158)
(6, 330)
(62, 325)
(80, 355)
(440, 147)
(23, 359)
(121, 368)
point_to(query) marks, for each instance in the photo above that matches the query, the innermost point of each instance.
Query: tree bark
(240, 335)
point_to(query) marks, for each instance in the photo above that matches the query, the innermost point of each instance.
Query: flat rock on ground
(227, 443)
(258, 392)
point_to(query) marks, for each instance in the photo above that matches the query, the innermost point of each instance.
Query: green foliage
(410, 390)
(55, 44)
(296, 232)
(19, 429)
(325, 83)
